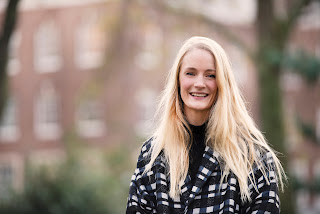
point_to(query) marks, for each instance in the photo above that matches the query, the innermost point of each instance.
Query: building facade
(95, 69)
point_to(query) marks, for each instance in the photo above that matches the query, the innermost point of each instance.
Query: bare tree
(8, 26)
(273, 34)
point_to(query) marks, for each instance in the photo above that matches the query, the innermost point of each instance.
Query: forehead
(198, 58)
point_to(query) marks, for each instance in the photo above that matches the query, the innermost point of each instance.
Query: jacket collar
(209, 164)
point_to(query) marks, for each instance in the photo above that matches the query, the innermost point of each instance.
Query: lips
(199, 94)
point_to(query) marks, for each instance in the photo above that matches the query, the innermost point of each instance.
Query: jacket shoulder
(145, 156)
(145, 153)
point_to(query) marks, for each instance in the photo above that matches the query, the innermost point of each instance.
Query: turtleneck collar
(198, 129)
(197, 148)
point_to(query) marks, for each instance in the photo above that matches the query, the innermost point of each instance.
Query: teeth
(198, 95)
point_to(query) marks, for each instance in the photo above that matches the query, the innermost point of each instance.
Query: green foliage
(304, 64)
(86, 182)
(308, 130)
(299, 62)
(57, 192)
(313, 186)
(120, 170)
(272, 56)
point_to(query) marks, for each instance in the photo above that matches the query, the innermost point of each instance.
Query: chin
(200, 108)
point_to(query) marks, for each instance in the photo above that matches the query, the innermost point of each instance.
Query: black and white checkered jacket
(149, 192)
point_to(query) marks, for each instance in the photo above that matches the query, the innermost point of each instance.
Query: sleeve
(266, 199)
(141, 199)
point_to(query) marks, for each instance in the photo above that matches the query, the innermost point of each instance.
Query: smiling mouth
(198, 95)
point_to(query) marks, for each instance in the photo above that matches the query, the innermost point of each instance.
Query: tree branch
(283, 27)
(220, 28)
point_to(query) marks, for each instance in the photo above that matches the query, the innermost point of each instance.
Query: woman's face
(197, 81)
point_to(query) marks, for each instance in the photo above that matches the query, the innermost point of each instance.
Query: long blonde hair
(231, 132)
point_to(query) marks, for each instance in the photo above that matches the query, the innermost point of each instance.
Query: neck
(197, 118)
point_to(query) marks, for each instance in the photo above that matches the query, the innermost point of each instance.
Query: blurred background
(80, 81)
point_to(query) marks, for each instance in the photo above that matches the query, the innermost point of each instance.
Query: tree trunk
(6, 33)
(272, 38)
(272, 121)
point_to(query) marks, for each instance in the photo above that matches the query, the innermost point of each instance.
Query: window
(46, 157)
(310, 16)
(316, 178)
(299, 168)
(13, 62)
(8, 127)
(90, 119)
(89, 42)
(11, 173)
(290, 82)
(303, 201)
(316, 169)
(6, 179)
(150, 54)
(317, 51)
(47, 48)
(228, 12)
(147, 109)
(239, 64)
(318, 124)
(47, 113)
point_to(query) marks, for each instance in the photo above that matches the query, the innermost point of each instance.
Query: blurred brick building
(68, 78)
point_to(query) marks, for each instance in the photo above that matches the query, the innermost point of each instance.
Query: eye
(190, 73)
(212, 76)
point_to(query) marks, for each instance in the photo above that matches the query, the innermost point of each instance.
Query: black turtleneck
(197, 149)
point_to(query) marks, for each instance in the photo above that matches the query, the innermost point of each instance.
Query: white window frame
(88, 125)
(10, 132)
(14, 46)
(240, 65)
(318, 123)
(147, 110)
(87, 55)
(47, 48)
(150, 55)
(13, 161)
(47, 101)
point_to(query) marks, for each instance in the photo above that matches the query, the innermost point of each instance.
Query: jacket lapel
(186, 189)
(209, 164)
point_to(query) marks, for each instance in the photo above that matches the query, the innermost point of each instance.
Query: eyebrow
(194, 69)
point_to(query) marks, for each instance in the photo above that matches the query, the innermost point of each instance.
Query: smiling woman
(198, 86)
(206, 155)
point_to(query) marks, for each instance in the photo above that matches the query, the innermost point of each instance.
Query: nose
(199, 82)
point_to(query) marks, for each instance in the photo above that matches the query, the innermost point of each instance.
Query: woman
(206, 155)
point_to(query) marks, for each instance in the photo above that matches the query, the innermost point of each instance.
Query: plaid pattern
(149, 192)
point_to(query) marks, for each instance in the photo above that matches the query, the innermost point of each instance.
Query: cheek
(185, 85)
(213, 87)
